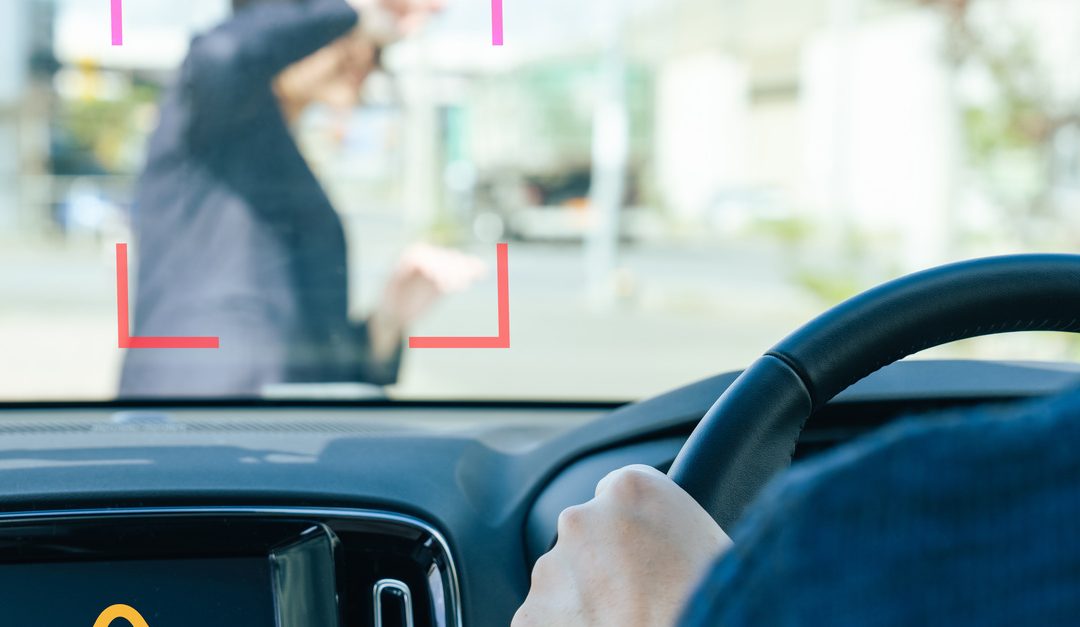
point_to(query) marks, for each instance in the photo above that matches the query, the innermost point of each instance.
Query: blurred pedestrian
(237, 238)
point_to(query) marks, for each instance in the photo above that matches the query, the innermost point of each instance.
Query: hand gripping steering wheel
(749, 434)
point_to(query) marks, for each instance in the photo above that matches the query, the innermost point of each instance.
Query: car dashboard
(375, 513)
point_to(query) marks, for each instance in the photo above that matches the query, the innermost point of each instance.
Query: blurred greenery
(1009, 137)
(790, 231)
(830, 287)
(108, 129)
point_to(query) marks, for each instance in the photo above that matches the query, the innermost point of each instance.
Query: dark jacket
(968, 519)
(235, 236)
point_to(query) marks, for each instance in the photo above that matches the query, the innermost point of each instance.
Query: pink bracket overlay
(117, 22)
(502, 340)
(124, 337)
(496, 22)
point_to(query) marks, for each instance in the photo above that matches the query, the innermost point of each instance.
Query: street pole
(610, 155)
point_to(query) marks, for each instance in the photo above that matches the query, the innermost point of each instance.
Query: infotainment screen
(262, 574)
(166, 593)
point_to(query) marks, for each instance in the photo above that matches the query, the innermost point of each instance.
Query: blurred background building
(682, 181)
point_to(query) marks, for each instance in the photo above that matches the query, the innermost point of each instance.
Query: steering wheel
(749, 434)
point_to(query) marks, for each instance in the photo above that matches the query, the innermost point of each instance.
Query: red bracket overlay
(502, 340)
(123, 324)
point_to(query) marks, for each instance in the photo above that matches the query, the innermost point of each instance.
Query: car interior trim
(454, 600)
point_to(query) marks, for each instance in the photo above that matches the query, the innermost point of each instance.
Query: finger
(451, 271)
(448, 270)
(615, 475)
(461, 276)
(541, 611)
(571, 522)
(548, 581)
(447, 280)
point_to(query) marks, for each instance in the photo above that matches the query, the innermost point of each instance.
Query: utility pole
(610, 156)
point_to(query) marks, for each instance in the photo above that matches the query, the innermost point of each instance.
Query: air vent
(393, 604)
(44, 427)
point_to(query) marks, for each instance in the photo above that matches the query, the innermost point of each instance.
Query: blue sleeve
(962, 518)
(743, 588)
(228, 74)
(367, 368)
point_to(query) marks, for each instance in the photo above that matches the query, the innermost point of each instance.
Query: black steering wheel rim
(750, 433)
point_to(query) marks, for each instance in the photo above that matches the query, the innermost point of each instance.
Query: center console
(226, 566)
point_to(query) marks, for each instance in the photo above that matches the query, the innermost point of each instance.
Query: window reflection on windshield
(680, 182)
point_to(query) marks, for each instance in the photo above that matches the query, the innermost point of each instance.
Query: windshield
(543, 200)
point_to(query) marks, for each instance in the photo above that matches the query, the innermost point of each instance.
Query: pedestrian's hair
(240, 4)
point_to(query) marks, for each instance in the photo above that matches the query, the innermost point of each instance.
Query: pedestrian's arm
(378, 360)
(228, 74)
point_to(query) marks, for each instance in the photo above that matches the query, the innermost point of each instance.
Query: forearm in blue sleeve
(228, 73)
(370, 369)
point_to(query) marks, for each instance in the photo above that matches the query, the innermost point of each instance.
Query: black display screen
(218, 592)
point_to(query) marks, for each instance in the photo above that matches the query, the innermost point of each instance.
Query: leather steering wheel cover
(930, 308)
(750, 432)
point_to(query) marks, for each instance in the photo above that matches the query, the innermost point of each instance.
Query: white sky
(156, 32)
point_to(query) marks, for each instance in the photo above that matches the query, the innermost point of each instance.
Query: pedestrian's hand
(387, 21)
(424, 274)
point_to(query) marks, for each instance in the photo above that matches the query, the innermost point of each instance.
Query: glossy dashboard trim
(318, 512)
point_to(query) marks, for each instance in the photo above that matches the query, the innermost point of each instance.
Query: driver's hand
(629, 557)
